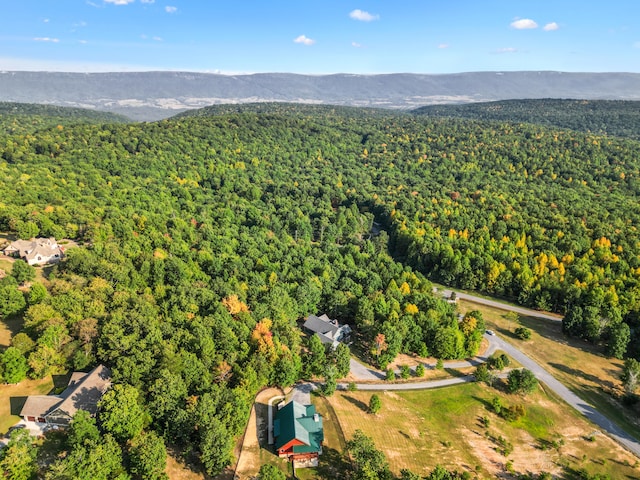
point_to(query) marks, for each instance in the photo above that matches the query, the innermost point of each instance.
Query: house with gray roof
(36, 251)
(83, 392)
(329, 331)
(298, 433)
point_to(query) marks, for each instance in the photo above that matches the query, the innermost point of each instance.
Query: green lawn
(579, 365)
(12, 398)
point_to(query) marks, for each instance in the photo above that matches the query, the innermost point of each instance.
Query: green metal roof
(296, 421)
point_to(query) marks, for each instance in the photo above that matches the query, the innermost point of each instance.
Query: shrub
(523, 333)
(374, 404)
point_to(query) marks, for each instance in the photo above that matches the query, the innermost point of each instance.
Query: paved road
(414, 385)
(503, 306)
(541, 374)
(571, 398)
(365, 373)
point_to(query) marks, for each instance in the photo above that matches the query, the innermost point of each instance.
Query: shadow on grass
(16, 404)
(14, 324)
(455, 373)
(484, 402)
(361, 405)
(188, 460)
(52, 445)
(578, 373)
(332, 465)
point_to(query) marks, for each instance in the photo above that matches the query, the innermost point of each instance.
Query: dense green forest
(207, 238)
(619, 118)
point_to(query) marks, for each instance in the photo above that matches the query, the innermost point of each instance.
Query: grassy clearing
(8, 327)
(6, 265)
(178, 469)
(12, 398)
(421, 429)
(579, 365)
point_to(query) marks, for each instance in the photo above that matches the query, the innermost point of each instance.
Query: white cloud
(356, 45)
(46, 20)
(46, 39)
(443, 45)
(363, 16)
(549, 27)
(636, 45)
(119, 2)
(147, 1)
(524, 24)
(170, 9)
(84, 42)
(157, 39)
(507, 50)
(304, 40)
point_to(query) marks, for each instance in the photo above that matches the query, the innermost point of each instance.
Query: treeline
(620, 118)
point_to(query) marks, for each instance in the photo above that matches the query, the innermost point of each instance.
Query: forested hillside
(23, 118)
(619, 118)
(206, 238)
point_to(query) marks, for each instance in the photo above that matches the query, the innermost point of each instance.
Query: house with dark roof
(298, 433)
(36, 251)
(329, 331)
(83, 392)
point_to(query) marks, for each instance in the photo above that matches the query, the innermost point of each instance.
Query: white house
(36, 251)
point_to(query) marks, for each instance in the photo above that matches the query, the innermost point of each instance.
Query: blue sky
(320, 36)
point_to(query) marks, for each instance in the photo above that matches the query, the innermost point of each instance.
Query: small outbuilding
(329, 331)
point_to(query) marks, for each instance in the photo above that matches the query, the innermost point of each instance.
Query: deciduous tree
(521, 381)
(369, 463)
(14, 365)
(148, 457)
(121, 412)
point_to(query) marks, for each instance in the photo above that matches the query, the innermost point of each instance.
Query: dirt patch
(255, 435)
(177, 469)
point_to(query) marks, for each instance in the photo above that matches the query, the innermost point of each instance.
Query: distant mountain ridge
(155, 95)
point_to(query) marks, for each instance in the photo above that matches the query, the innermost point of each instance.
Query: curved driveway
(363, 373)
(571, 398)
